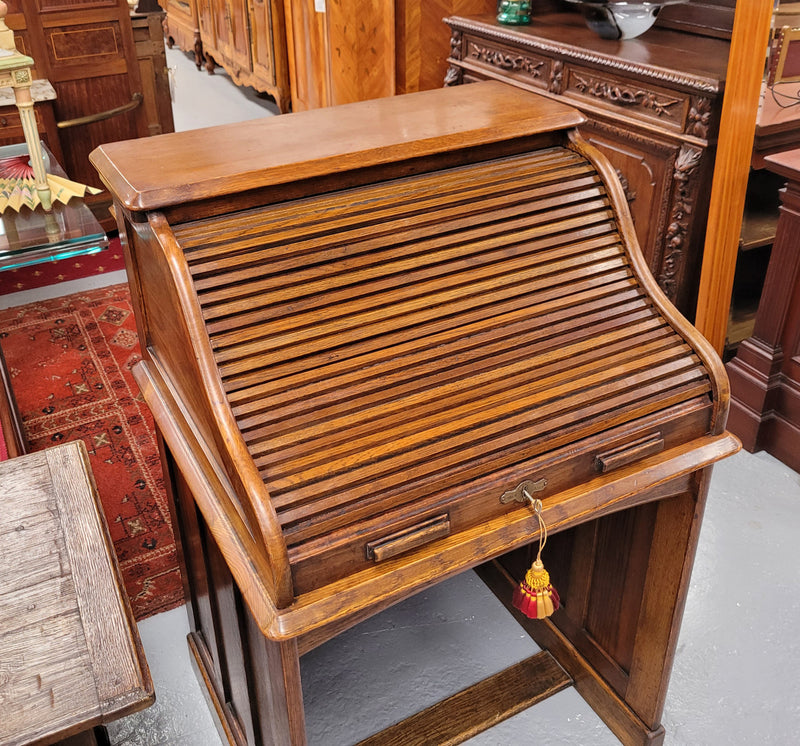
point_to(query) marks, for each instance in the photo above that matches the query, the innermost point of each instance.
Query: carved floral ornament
(699, 117)
(686, 165)
(455, 44)
(506, 61)
(625, 96)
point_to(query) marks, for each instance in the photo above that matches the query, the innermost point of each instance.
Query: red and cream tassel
(534, 596)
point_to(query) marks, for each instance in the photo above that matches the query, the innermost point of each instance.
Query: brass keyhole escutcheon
(522, 492)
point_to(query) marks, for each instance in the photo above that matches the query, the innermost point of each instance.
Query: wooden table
(70, 655)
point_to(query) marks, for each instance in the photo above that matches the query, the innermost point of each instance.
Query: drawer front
(665, 108)
(11, 131)
(452, 509)
(526, 67)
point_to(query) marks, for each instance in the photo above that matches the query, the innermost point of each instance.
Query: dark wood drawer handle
(408, 538)
(629, 453)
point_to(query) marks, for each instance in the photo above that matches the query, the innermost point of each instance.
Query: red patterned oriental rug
(69, 361)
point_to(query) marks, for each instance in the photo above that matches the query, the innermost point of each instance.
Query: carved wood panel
(654, 118)
(646, 165)
(239, 35)
(647, 102)
(262, 45)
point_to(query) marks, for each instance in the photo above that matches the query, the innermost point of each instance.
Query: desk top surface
(70, 656)
(182, 167)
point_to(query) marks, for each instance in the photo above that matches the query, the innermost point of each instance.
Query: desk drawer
(468, 500)
(522, 65)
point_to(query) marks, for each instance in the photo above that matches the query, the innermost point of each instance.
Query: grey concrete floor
(735, 674)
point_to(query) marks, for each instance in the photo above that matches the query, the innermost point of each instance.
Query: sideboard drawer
(665, 108)
(521, 65)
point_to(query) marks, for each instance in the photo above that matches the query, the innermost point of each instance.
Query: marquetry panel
(423, 40)
(69, 45)
(361, 49)
(67, 6)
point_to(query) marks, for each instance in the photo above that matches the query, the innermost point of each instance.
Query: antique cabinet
(181, 27)
(247, 38)
(339, 52)
(354, 51)
(653, 105)
(149, 41)
(422, 39)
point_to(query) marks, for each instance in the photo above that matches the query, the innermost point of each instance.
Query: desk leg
(623, 581)
(252, 684)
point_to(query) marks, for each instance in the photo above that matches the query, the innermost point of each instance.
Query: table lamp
(15, 72)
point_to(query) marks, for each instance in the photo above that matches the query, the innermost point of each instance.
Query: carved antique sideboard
(653, 105)
(364, 343)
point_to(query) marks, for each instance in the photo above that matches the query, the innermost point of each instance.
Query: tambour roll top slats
(386, 343)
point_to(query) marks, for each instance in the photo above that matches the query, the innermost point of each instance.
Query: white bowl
(617, 19)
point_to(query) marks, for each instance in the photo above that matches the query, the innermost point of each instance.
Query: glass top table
(35, 236)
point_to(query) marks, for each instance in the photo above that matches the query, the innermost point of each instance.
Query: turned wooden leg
(198, 50)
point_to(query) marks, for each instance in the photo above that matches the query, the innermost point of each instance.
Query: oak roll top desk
(364, 328)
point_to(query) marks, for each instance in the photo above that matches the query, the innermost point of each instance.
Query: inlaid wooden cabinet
(359, 50)
(653, 106)
(247, 38)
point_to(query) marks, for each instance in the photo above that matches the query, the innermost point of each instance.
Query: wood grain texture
(765, 373)
(591, 685)
(737, 130)
(423, 39)
(70, 653)
(234, 160)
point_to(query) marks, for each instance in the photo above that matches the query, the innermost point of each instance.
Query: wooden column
(737, 130)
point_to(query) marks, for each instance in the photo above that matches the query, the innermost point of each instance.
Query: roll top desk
(365, 328)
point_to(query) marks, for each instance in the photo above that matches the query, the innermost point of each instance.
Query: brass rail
(136, 99)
